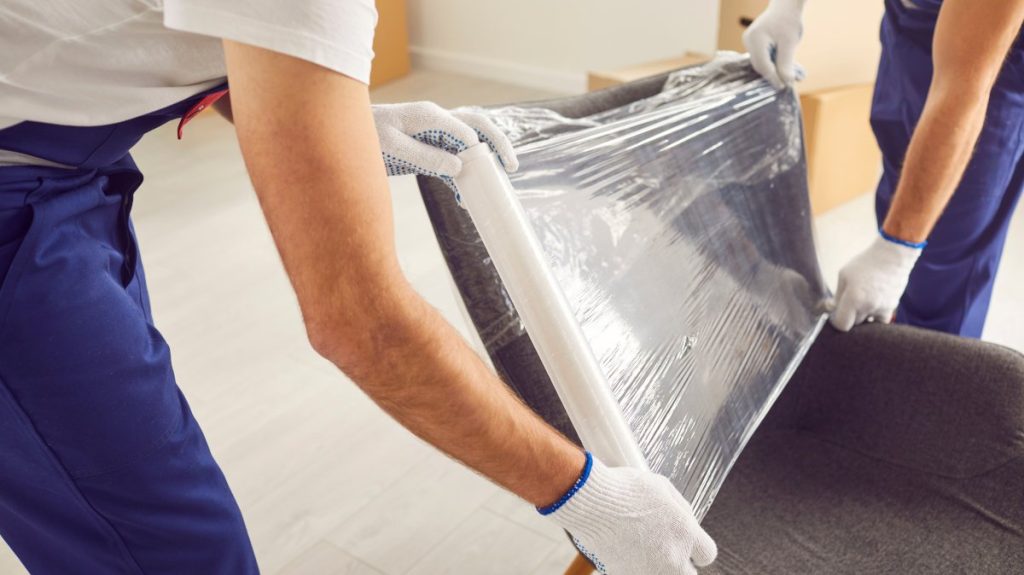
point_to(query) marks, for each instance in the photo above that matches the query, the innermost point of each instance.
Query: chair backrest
(674, 213)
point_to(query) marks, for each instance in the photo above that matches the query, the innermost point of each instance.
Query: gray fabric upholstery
(892, 449)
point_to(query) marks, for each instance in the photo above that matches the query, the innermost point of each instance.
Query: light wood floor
(328, 484)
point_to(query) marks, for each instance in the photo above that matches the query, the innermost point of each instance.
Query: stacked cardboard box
(840, 53)
(390, 43)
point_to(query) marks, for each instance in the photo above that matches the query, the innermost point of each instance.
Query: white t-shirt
(95, 62)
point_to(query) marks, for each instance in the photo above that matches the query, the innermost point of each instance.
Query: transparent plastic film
(676, 228)
(560, 342)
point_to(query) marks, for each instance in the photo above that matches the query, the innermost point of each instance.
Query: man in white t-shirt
(103, 467)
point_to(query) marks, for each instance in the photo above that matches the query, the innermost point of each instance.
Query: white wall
(551, 44)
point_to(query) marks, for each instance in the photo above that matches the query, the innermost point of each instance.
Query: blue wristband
(572, 491)
(896, 240)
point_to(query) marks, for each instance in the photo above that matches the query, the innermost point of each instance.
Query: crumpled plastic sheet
(678, 227)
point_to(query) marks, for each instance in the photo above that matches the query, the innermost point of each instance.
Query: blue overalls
(103, 469)
(951, 286)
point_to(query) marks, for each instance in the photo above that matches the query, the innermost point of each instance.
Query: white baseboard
(498, 70)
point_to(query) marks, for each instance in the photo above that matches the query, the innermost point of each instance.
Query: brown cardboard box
(390, 43)
(840, 52)
(606, 79)
(840, 45)
(843, 160)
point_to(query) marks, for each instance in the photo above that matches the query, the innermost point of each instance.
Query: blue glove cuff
(572, 491)
(896, 240)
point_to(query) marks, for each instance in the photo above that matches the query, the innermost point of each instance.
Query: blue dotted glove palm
(424, 139)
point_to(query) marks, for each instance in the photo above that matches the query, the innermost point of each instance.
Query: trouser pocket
(14, 224)
(76, 346)
(17, 236)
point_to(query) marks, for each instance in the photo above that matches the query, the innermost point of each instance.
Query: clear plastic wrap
(677, 227)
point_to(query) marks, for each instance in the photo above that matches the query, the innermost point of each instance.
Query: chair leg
(580, 566)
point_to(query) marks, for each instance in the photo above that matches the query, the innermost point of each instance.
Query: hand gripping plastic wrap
(666, 227)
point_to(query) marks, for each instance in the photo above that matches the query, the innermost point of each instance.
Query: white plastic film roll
(517, 255)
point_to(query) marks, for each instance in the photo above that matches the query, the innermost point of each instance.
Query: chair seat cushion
(892, 450)
(795, 503)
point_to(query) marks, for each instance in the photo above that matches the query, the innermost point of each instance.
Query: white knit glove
(632, 522)
(423, 138)
(772, 40)
(870, 286)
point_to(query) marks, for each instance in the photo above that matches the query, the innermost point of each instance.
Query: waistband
(90, 146)
(24, 185)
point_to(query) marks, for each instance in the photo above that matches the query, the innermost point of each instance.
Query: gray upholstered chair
(892, 449)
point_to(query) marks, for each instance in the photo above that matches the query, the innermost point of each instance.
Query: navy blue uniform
(103, 468)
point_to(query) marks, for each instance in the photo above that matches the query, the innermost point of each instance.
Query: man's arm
(971, 43)
(308, 139)
(310, 144)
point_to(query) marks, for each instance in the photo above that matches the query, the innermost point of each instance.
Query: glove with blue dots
(423, 138)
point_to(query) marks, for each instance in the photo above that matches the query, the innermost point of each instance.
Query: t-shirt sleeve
(336, 34)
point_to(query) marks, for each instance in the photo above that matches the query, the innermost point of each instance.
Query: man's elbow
(963, 107)
(363, 336)
(962, 88)
(346, 342)
(329, 339)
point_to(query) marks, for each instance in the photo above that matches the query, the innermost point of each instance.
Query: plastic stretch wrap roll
(676, 228)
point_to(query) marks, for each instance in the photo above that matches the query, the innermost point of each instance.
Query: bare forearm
(936, 160)
(418, 369)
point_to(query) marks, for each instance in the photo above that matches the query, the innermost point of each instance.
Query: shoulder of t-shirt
(336, 34)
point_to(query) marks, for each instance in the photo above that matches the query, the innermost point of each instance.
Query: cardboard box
(843, 160)
(840, 46)
(839, 51)
(390, 43)
(606, 79)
